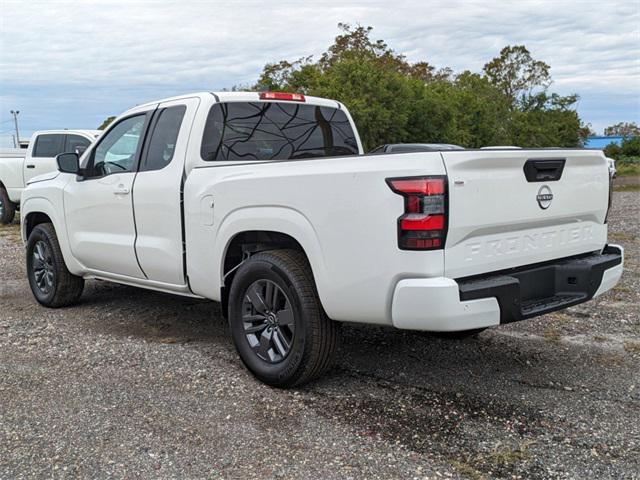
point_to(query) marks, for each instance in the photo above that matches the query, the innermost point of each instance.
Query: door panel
(157, 192)
(43, 155)
(99, 206)
(100, 224)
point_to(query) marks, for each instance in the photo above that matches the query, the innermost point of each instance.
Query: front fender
(35, 204)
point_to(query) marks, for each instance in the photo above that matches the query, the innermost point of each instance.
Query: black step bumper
(538, 289)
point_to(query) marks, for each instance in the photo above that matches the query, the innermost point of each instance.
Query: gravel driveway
(136, 384)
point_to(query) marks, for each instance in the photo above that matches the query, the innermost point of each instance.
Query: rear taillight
(423, 226)
(290, 97)
(606, 217)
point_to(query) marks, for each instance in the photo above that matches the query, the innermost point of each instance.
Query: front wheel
(7, 207)
(279, 328)
(50, 281)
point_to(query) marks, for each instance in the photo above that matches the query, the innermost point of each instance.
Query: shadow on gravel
(153, 316)
(491, 405)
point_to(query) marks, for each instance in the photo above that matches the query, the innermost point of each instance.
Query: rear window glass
(76, 141)
(164, 138)
(276, 131)
(48, 145)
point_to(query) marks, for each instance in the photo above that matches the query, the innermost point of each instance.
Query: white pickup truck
(18, 166)
(264, 202)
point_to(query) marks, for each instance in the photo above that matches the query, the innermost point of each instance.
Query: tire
(295, 319)
(7, 207)
(50, 281)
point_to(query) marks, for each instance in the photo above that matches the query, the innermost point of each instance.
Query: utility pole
(15, 120)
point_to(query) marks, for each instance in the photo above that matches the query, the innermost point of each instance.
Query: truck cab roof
(88, 133)
(225, 97)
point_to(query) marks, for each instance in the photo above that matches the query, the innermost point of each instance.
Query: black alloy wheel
(268, 321)
(42, 267)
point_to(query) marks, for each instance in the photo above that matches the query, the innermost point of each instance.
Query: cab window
(276, 131)
(76, 143)
(48, 145)
(163, 138)
(116, 152)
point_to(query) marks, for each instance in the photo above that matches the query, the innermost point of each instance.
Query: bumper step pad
(538, 289)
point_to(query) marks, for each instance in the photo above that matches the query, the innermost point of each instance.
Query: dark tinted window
(276, 131)
(48, 145)
(163, 139)
(76, 142)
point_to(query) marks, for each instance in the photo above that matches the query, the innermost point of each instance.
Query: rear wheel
(50, 281)
(278, 326)
(7, 207)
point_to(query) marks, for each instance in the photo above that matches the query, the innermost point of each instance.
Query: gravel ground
(136, 384)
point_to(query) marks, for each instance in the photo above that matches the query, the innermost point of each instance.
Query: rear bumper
(443, 304)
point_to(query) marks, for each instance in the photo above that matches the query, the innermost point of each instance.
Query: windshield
(276, 131)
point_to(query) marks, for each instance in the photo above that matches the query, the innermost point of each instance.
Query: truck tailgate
(509, 208)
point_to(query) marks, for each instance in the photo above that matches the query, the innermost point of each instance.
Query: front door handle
(31, 166)
(121, 190)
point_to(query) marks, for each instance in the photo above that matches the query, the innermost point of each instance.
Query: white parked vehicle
(265, 203)
(612, 167)
(18, 166)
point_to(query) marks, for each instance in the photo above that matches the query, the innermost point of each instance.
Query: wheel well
(245, 244)
(34, 219)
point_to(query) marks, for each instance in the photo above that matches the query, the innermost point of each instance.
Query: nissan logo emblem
(544, 197)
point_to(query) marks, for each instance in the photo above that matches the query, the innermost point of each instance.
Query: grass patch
(552, 335)
(632, 187)
(621, 289)
(505, 458)
(627, 169)
(621, 237)
(10, 232)
(467, 470)
(501, 461)
(611, 360)
(632, 347)
(560, 317)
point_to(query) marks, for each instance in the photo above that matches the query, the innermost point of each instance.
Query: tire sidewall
(8, 209)
(37, 235)
(283, 372)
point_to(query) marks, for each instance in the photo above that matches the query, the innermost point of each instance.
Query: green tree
(107, 121)
(624, 129)
(612, 150)
(517, 74)
(631, 147)
(393, 100)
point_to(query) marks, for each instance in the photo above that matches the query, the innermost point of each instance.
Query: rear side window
(276, 131)
(48, 145)
(163, 139)
(75, 142)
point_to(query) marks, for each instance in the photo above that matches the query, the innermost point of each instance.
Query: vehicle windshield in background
(415, 147)
(276, 131)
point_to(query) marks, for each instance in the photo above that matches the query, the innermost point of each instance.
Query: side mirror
(68, 163)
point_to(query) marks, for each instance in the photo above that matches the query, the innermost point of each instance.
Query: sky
(72, 64)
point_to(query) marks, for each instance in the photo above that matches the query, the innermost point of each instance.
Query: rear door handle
(121, 190)
(31, 166)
